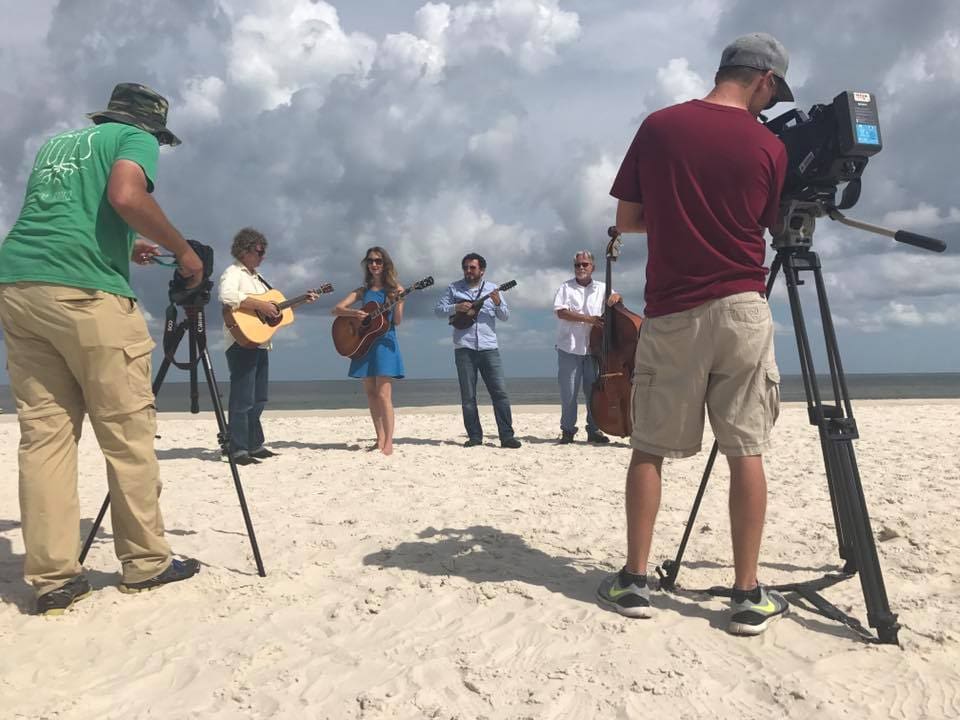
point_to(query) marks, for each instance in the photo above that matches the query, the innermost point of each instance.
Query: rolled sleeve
(230, 293)
(560, 299)
(444, 307)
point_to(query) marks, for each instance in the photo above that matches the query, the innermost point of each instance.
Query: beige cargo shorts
(718, 355)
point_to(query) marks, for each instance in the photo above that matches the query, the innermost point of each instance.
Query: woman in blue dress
(382, 363)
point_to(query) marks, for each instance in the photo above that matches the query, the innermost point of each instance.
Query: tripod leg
(816, 410)
(157, 382)
(838, 430)
(672, 567)
(200, 339)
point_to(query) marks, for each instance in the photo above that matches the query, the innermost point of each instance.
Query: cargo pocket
(640, 389)
(771, 395)
(138, 371)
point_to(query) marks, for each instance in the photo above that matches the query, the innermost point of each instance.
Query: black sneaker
(57, 601)
(246, 460)
(472, 442)
(177, 571)
(511, 443)
(566, 437)
(597, 438)
(263, 454)
(752, 610)
(626, 594)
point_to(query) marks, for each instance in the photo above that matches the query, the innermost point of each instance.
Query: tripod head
(800, 220)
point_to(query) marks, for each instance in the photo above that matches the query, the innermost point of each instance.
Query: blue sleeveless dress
(383, 357)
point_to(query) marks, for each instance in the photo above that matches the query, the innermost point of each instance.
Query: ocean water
(334, 394)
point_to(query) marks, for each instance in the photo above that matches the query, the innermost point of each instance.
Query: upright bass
(614, 344)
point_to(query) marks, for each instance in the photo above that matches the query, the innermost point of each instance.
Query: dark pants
(249, 370)
(487, 363)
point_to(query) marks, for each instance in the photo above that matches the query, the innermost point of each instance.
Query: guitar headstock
(324, 289)
(421, 284)
(507, 285)
(613, 247)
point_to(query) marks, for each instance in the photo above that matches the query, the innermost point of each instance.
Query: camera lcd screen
(868, 134)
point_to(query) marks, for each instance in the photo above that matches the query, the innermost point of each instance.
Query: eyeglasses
(374, 261)
(582, 265)
(261, 251)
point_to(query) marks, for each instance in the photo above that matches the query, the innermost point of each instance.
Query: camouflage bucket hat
(138, 105)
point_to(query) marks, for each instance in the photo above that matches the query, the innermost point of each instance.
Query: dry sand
(453, 583)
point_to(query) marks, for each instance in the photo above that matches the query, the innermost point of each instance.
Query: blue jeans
(249, 370)
(572, 372)
(487, 363)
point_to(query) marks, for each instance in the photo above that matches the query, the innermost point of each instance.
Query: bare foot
(387, 449)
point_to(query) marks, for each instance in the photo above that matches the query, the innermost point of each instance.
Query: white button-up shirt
(574, 337)
(236, 285)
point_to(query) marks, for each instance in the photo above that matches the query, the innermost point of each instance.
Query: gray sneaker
(751, 611)
(626, 594)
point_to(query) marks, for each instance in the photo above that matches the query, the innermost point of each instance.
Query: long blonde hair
(390, 283)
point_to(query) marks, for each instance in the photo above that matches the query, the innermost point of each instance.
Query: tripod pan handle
(920, 241)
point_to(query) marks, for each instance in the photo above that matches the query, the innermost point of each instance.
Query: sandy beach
(445, 582)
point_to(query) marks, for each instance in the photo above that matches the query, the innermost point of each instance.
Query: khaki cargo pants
(718, 355)
(71, 351)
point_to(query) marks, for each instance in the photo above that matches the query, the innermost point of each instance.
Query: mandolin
(353, 336)
(251, 329)
(462, 320)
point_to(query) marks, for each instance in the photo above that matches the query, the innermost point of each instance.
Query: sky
(490, 126)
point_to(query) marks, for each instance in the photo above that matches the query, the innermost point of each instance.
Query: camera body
(179, 293)
(827, 146)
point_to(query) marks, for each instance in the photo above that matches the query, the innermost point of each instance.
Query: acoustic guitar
(353, 336)
(462, 320)
(251, 329)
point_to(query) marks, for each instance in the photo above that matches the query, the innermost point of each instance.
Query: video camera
(828, 146)
(179, 293)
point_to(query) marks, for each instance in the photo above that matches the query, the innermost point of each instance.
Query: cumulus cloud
(923, 217)
(487, 125)
(679, 83)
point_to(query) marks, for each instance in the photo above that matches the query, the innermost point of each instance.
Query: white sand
(452, 583)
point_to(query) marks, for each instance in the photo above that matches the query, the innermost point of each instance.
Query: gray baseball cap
(761, 52)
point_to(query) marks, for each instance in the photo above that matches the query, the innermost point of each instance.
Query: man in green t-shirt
(77, 343)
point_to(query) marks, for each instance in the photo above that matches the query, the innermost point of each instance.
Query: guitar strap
(261, 279)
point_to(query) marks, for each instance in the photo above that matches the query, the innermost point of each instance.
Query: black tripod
(837, 428)
(195, 322)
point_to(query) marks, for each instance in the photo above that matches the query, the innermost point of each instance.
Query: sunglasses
(374, 261)
(261, 251)
(582, 265)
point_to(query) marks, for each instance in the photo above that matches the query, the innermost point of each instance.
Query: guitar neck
(388, 306)
(293, 302)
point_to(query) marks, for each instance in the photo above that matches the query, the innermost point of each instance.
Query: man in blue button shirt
(475, 349)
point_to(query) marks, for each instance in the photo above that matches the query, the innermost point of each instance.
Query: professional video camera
(827, 146)
(182, 295)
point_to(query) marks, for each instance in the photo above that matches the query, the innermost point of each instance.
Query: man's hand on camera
(190, 266)
(143, 251)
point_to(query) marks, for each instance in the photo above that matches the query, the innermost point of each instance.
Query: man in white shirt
(579, 307)
(249, 367)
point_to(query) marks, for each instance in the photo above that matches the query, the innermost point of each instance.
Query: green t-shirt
(67, 232)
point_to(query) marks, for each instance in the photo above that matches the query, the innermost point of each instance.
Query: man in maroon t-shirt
(703, 179)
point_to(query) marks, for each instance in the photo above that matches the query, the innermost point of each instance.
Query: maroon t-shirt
(709, 177)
